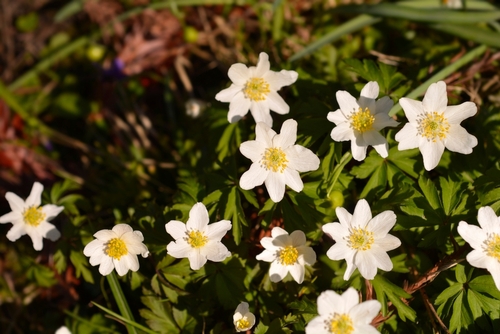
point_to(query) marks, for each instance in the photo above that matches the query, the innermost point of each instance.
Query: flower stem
(121, 301)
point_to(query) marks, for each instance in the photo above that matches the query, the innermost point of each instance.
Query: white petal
(383, 105)
(277, 231)
(365, 312)
(226, 95)
(378, 142)
(95, 246)
(15, 202)
(293, 180)
(339, 251)
(335, 230)
(298, 238)
(287, 136)
(351, 266)
(196, 260)
(342, 132)
(345, 218)
(308, 253)
(329, 302)
(253, 177)
(435, 98)
(36, 237)
(277, 104)
(347, 102)
(317, 326)
(389, 242)
(98, 257)
(459, 140)
(263, 65)
(277, 80)
(362, 214)
(365, 264)
(350, 298)
(11, 217)
(473, 234)
(381, 224)
(131, 261)
(456, 114)
(358, 152)
(297, 271)
(370, 90)
(266, 255)
(382, 121)
(35, 197)
(407, 137)
(179, 249)
(488, 219)
(106, 266)
(52, 210)
(494, 269)
(264, 134)
(302, 159)
(277, 272)
(253, 150)
(16, 231)
(431, 152)
(261, 113)
(215, 251)
(241, 309)
(412, 108)
(219, 229)
(275, 185)
(49, 231)
(121, 229)
(176, 229)
(239, 74)
(198, 218)
(105, 235)
(336, 117)
(120, 266)
(380, 259)
(238, 107)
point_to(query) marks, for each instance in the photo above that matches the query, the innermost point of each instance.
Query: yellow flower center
(196, 239)
(288, 255)
(433, 126)
(256, 89)
(33, 216)
(340, 324)
(362, 120)
(492, 246)
(116, 248)
(360, 239)
(274, 159)
(242, 323)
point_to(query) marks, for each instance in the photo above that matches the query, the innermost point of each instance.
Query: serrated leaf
(394, 293)
(460, 274)
(448, 293)
(450, 193)
(430, 192)
(461, 316)
(474, 304)
(158, 315)
(81, 265)
(485, 284)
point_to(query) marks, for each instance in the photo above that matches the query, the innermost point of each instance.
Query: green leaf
(430, 192)
(460, 274)
(485, 284)
(158, 315)
(121, 301)
(461, 316)
(448, 293)
(81, 265)
(386, 289)
(123, 319)
(450, 193)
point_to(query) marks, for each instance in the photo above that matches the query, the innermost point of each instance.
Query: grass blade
(125, 320)
(353, 25)
(121, 301)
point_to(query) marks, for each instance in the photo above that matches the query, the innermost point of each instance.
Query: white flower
(28, 217)
(255, 88)
(197, 240)
(63, 330)
(361, 120)
(243, 319)
(343, 314)
(362, 240)
(287, 253)
(276, 160)
(433, 125)
(485, 242)
(456, 4)
(116, 249)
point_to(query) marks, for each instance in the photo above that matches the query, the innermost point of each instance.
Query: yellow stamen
(256, 89)
(197, 239)
(33, 216)
(360, 239)
(340, 324)
(288, 255)
(116, 248)
(242, 323)
(433, 126)
(492, 246)
(274, 159)
(362, 120)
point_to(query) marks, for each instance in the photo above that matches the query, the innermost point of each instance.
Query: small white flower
(361, 120)
(276, 160)
(485, 241)
(343, 314)
(433, 125)
(116, 249)
(456, 4)
(63, 330)
(28, 217)
(287, 253)
(255, 88)
(243, 319)
(197, 240)
(362, 240)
